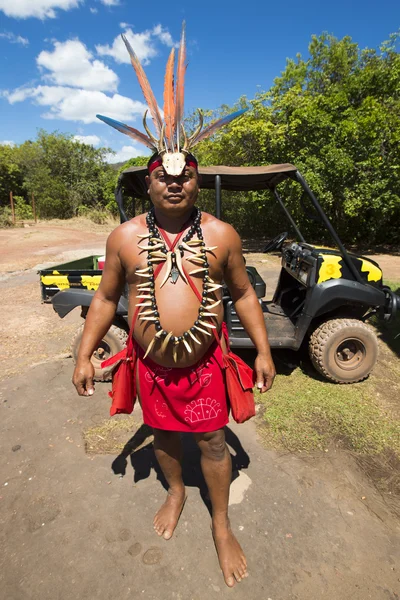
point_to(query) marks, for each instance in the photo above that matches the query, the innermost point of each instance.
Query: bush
(112, 207)
(23, 211)
(98, 215)
(82, 211)
(5, 217)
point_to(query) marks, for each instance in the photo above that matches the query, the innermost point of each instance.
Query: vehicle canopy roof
(241, 179)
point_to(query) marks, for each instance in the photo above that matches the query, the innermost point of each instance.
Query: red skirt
(191, 399)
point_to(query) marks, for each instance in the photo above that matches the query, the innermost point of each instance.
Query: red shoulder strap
(171, 246)
(199, 297)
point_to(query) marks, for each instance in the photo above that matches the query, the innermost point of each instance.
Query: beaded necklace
(158, 253)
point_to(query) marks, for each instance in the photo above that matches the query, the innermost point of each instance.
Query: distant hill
(138, 161)
(117, 166)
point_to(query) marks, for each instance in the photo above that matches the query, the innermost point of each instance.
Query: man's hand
(83, 378)
(265, 370)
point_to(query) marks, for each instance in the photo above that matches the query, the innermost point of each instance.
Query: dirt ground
(78, 525)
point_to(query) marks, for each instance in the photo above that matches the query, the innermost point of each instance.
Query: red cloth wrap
(184, 399)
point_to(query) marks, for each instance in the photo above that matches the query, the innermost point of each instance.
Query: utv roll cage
(242, 179)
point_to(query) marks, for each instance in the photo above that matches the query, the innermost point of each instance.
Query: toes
(242, 572)
(237, 576)
(159, 529)
(230, 581)
(167, 534)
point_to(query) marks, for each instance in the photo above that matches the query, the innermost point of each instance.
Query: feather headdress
(171, 143)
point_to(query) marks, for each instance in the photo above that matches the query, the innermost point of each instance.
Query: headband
(189, 162)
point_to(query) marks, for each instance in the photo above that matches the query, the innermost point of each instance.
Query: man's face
(173, 195)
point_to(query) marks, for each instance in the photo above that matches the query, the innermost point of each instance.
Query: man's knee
(212, 444)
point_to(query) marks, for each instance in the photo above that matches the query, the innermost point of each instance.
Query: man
(170, 346)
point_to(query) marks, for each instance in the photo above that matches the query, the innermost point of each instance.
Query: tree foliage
(61, 173)
(336, 116)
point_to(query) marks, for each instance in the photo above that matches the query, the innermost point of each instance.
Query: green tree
(11, 177)
(336, 116)
(64, 174)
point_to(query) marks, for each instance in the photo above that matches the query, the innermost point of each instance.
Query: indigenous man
(176, 310)
(173, 200)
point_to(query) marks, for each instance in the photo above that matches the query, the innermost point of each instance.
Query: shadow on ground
(143, 460)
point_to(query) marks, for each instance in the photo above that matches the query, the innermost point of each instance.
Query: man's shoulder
(129, 228)
(218, 226)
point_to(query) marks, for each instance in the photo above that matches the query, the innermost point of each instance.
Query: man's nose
(174, 182)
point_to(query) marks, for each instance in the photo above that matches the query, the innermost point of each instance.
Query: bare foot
(167, 517)
(230, 555)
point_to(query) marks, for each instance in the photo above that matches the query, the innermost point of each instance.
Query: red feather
(169, 101)
(146, 89)
(180, 84)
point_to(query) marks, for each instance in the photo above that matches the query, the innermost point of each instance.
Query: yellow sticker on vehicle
(330, 267)
(374, 272)
(60, 281)
(91, 282)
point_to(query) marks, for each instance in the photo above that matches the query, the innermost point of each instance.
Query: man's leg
(217, 470)
(168, 451)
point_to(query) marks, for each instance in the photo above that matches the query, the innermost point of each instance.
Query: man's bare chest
(135, 259)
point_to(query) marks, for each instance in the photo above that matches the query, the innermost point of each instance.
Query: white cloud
(110, 2)
(90, 140)
(14, 39)
(163, 35)
(94, 11)
(71, 64)
(7, 143)
(125, 25)
(71, 104)
(143, 44)
(125, 154)
(42, 9)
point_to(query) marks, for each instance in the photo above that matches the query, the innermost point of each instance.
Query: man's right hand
(83, 378)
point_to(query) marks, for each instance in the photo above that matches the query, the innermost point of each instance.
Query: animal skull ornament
(173, 162)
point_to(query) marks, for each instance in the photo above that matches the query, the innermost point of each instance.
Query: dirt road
(72, 528)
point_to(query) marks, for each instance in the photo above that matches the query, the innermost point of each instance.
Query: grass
(303, 414)
(111, 436)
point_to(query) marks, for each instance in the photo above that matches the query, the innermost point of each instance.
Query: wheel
(113, 342)
(343, 350)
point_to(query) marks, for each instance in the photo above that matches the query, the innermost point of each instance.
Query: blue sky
(63, 60)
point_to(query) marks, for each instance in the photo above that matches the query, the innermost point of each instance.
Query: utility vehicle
(323, 297)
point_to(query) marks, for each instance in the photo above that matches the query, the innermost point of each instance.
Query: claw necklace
(157, 253)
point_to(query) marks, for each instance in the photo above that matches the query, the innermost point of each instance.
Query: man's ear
(147, 180)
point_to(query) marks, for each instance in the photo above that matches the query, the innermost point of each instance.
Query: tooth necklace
(158, 253)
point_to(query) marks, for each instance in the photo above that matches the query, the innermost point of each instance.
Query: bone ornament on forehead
(158, 253)
(171, 141)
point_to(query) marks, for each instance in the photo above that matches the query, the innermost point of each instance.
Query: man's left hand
(265, 371)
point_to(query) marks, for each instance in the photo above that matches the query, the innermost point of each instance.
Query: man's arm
(248, 309)
(100, 315)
